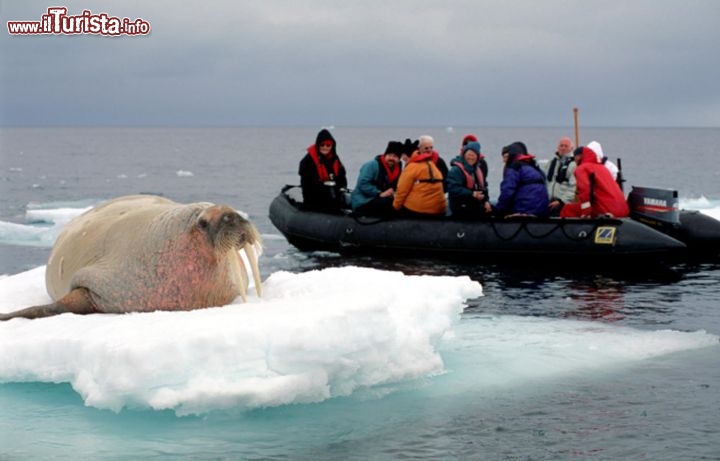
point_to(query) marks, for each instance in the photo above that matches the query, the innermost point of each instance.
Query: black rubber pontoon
(522, 238)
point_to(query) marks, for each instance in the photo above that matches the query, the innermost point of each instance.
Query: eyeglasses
(326, 144)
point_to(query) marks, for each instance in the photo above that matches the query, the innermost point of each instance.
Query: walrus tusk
(242, 275)
(253, 260)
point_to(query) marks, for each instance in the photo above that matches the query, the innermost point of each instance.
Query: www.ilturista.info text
(57, 21)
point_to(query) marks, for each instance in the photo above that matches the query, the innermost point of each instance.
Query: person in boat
(409, 147)
(323, 179)
(420, 186)
(426, 145)
(467, 189)
(598, 194)
(612, 168)
(481, 161)
(523, 190)
(375, 189)
(560, 176)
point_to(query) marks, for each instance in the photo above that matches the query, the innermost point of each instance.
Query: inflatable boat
(617, 241)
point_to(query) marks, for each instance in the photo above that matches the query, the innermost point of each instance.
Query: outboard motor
(657, 208)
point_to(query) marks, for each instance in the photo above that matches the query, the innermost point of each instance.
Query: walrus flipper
(77, 302)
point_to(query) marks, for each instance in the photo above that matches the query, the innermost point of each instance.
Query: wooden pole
(577, 133)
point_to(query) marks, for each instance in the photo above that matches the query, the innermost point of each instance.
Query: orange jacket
(415, 193)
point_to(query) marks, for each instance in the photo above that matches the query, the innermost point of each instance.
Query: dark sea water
(666, 408)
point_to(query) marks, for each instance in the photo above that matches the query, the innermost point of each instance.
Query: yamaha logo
(654, 202)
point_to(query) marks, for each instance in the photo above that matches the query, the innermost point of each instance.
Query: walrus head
(227, 230)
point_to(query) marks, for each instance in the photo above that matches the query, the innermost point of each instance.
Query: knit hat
(473, 146)
(468, 138)
(410, 146)
(395, 147)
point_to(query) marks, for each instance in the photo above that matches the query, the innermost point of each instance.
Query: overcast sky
(385, 62)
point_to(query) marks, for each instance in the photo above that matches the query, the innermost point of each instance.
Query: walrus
(143, 253)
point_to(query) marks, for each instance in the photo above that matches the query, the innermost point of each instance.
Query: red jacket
(607, 197)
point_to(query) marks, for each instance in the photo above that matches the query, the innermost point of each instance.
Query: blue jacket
(459, 194)
(523, 190)
(372, 180)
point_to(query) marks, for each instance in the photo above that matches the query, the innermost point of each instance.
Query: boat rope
(559, 225)
(512, 237)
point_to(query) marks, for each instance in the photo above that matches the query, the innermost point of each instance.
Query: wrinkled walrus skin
(142, 253)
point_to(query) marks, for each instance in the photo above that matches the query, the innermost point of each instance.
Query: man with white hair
(560, 176)
(426, 146)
